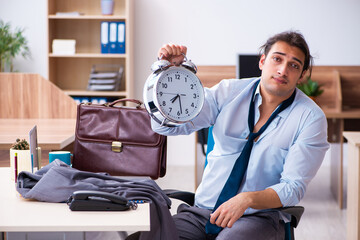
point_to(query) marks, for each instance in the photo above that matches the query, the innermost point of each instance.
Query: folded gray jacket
(57, 181)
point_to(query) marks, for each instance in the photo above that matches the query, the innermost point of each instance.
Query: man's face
(281, 69)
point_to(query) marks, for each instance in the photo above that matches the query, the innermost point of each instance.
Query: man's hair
(293, 38)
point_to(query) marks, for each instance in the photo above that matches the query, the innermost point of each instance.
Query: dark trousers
(190, 223)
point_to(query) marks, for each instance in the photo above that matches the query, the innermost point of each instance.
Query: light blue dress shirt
(285, 157)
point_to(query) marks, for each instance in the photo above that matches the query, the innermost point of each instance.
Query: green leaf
(310, 87)
(12, 44)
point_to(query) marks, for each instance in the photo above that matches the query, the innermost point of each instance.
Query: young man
(279, 162)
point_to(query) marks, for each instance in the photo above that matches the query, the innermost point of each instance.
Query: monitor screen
(248, 66)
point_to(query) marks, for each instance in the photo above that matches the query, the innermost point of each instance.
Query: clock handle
(123, 100)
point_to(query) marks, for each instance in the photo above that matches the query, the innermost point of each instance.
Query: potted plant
(311, 88)
(21, 147)
(11, 45)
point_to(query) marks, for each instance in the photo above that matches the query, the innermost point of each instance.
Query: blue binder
(121, 37)
(113, 37)
(104, 37)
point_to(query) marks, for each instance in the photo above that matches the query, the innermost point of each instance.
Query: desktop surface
(20, 215)
(53, 134)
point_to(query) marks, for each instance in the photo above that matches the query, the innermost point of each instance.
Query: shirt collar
(257, 96)
(258, 102)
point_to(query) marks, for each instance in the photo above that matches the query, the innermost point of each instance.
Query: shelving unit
(71, 72)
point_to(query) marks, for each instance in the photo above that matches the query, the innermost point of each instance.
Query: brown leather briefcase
(118, 140)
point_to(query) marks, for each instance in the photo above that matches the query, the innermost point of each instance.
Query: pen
(16, 166)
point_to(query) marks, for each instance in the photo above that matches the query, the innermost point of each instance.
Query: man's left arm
(301, 164)
(230, 211)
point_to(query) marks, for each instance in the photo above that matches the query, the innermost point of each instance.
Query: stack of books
(105, 77)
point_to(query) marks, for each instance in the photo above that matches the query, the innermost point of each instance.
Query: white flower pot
(23, 161)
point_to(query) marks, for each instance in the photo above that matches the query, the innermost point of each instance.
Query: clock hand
(180, 104)
(174, 93)
(174, 98)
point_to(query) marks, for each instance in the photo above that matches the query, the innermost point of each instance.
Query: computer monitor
(247, 66)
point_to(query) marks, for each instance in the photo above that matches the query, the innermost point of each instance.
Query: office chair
(295, 211)
(189, 197)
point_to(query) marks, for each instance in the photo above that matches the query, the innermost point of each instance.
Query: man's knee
(187, 226)
(256, 227)
(190, 222)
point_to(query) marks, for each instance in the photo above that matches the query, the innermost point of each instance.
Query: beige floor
(322, 219)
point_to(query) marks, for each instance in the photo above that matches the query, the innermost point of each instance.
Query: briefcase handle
(123, 100)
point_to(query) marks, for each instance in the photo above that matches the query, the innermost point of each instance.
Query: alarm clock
(173, 95)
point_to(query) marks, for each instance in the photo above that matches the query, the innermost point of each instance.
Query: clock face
(179, 94)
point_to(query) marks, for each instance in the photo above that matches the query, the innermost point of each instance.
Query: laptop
(35, 160)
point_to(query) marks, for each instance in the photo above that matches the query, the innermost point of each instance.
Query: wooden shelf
(71, 72)
(89, 17)
(96, 93)
(88, 55)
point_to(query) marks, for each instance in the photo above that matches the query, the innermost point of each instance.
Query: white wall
(32, 16)
(214, 31)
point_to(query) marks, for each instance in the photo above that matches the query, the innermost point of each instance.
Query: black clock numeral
(161, 93)
(170, 109)
(187, 111)
(185, 79)
(192, 104)
(191, 86)
(170, 79)
(163, 103)
(194, 95)
(178, 113)
(177, 76)
(164, 85)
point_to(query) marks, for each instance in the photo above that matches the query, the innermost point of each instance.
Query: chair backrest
(210, 144)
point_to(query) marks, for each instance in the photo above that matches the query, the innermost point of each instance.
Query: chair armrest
(188, 197)
(185, 196)
(295, 212)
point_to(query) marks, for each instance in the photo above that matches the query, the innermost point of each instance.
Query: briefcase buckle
(116, 146)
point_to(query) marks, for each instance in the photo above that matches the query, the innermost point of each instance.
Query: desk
(338, 122)
(53, 134)
(21, 215)
(353, 192)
